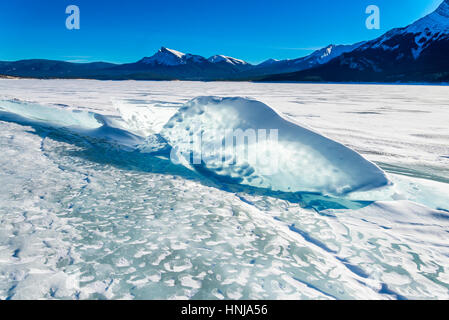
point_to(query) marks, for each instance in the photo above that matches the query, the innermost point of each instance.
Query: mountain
(268, 62)
(39, 68)
(227, 60)
(416, 53)
(170, 57)
(166, 64)
(169, 64)
(173, 58)
(318, 57)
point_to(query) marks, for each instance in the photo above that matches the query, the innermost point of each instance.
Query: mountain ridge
(415, 53)
(165, 64)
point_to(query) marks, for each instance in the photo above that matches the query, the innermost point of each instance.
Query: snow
(320, 56)
(268, 62)
(433, 27)
(430, 28)
(436, 22)
(170, 57)
(230, 60)
(167, 57)
(174, 52)
(330, 52)
(81, 217)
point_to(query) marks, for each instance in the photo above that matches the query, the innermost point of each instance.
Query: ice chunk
(276, 153)
(84, 123)
(54, 117)
(234, 140)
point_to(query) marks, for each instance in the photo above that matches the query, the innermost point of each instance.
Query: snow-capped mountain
(426, 31)
(170, 57)
(318, 57)
(417, 52)
(170, 64)
(436, 23)
(268, 62)
(330, 52)
(167, 64)
(228, 60)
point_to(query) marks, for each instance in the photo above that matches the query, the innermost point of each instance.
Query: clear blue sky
(254, 30)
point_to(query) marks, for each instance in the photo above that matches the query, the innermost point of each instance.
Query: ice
(81, 218)
(299, 160)
(309, 161)
(51, 116)
(81, 122)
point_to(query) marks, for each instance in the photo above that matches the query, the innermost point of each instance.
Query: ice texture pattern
(83, 217)
(299, 160)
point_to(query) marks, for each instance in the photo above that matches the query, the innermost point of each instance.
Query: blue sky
(125, 31)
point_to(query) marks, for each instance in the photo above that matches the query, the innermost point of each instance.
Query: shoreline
(439, 84)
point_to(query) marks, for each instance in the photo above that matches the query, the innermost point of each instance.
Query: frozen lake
(80, 218)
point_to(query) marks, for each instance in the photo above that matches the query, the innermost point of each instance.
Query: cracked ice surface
(83, 219)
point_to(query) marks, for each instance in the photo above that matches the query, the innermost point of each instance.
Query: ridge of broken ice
(84, 123)
(300, 159)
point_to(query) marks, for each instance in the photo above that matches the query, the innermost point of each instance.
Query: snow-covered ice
(85, 215)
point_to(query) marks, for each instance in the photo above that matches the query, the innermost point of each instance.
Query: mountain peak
(443, 9)
(330, 52)
(165, 56)
(226, 59)
(170, 57)
(268, 62)
(172, 52)
(433, 23)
